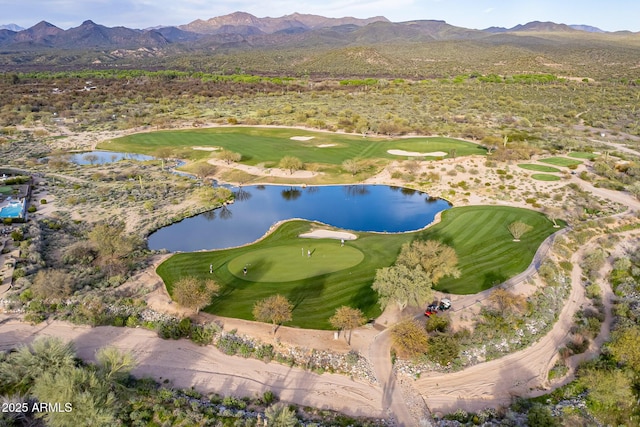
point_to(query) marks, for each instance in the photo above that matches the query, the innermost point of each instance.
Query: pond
(102, 157)
(377, 208)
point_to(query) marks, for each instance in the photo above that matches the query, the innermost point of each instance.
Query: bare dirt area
(187, 365)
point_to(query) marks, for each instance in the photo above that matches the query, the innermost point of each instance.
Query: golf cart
(445, 304)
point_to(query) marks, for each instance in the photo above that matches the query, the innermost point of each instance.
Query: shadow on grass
(492, 278)
(308, 290)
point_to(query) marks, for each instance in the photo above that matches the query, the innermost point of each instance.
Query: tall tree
(275, 309)
(229, 156)
(113, 245)
(403, 286)
(436, 259)
(291, 163)
(517, 229)
(347, 319)
(553, 214)
(203, 169)
(193, 293)
(352, 166)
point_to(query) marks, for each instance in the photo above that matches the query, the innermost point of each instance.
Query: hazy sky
(611, 15)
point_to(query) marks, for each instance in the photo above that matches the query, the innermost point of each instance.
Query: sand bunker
(205, 148)
(302, 138)
(326, 145)
(328, 234)
(416, 154)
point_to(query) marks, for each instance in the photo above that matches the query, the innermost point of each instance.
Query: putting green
(291, 262)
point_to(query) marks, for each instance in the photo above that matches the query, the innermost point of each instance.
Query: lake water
(102, 157)
(377, 208)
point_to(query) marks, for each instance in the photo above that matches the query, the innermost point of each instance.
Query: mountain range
(244, 29)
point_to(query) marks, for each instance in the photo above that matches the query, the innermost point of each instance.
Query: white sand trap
(205, 148)
(416, 154)
(328, 234)
(302, 138)
(326, 145)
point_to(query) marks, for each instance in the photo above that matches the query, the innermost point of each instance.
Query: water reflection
(291, 194)
(257, 208)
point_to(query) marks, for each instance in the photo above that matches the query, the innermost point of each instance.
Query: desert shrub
(264, 352)
(443, 349)
(204, 334)
(170, 329)
(437, 323)
(229, 343)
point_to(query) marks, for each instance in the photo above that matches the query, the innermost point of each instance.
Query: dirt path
(524, 373)
(187, 365)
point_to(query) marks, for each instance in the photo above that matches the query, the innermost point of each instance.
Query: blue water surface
(377, 208)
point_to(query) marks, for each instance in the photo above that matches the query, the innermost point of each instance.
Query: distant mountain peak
(11, 27)
(587, 28)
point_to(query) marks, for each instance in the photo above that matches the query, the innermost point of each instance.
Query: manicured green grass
(486, 251)
(315, 298)
(582, 155)
(4, 189)
(560, 161)
(545, 177)
(487, 254)
(269, 145)
(538, 168)
(291, 261)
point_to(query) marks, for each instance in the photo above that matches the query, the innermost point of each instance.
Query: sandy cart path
(205, 368)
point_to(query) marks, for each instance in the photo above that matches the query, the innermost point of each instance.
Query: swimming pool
(12, 210)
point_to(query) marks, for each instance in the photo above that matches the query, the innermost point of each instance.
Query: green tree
(517, 229)
(229, 156)
(275, 309)
(279, 415)
(436, 259)
(113, 246)
(409, 339)
(52, 284)
(352, 166)
(91, 401)
(611, 395)
(625, 347)
(113, 364)
(554, 214)
(403, 286)
(202, 169)
(193, 293)
(21, 368)
(347, 319)
(291, 163)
